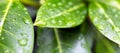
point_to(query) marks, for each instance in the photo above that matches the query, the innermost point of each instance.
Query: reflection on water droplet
(2, 38)
(101, 27)
(0, 23)
(59, 3)
(24, 35)
(68, 48)
(26, 21)
(79, 38)
(7, 51)
(117, 29)
(70, 3)
(9, 27)
(19, 15)
(42, 1)
(71, 23)
(116, 16)
(101, 11)
(83, 45)
(53, 21)
(13, 20)
(60, 22)
(115, 38)
(23, 41)
(53, 5)
(25, 9)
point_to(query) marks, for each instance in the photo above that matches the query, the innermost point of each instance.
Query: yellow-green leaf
(61, 14)
(106, 18)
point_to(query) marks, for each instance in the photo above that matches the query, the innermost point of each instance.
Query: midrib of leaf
(13, 35)
(64, 12)
(3, 20)
(107, 17)
(58, 40)
(5, 15)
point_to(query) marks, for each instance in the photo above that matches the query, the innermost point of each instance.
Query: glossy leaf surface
(61, 41)
(16, 30)
(106, 19)
(61, 14)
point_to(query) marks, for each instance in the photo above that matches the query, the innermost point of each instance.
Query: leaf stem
(58, 40)
(30, 3)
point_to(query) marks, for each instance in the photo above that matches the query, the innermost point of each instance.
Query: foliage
(63, 26)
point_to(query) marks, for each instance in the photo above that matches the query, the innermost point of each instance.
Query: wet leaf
(61, 14)
(61, 41)
(106, 19)
(16, 30)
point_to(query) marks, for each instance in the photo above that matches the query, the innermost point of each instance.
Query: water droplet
(24, 35)
(54, 5)
(0, 23)
(78, 12)
(26, 12)
(2, 38)
(70, 3)
(19, 15)
(114, 3)
(23, 41)
(71, 23)
(10, 27)
(18, 7)
(49, 3)
(79, 38)
(7, 51)
(13, 20)
(116, 16)
(25, 9)
(114, 10)
(68, 48)
(101, 27)
(117, 29)
(115, 38)
(60, 22)
(53, 21)
(59, 3)
(26, 21)
(101, 11)
(42, 1)
(83, 45)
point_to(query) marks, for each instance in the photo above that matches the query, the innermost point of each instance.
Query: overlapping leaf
(106, 19)
(61, 41)
(16, 30)
(61, 14)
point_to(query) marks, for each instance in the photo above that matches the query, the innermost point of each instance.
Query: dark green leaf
(61, 14)
(61, 41)
(16, 30)
(106, 20)
(103, 45)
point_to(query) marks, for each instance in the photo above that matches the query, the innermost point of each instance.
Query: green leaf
(114, 3)
(16, 29)
(61, 41)
(106, 20)
(61, 14)
(104, 47)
